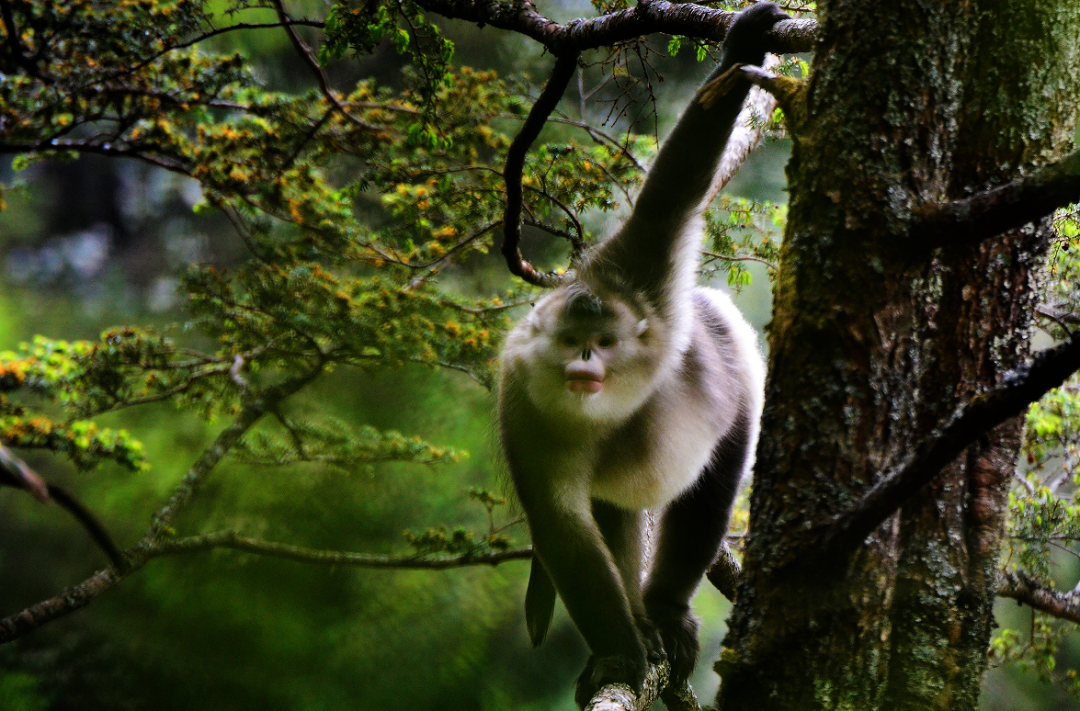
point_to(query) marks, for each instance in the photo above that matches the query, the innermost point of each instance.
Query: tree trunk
(875, 341)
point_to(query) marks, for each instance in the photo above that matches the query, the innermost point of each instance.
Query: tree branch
(1056, 314)
(745, 137)
(78, 146)
(313, 64)
(647, 17)
(15, 46)
(996, 211)
(17, 473)
(1021, 588)
(83, 594)
(252, 411)
(681, 698)
(97, 585)
(210, 457)
(233, 540)
(620, 697)
(565, 66)
(65, 603)
(1020, 388)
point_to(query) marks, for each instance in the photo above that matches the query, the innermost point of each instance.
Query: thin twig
(324, 82)
(411, 561)
(746, 258)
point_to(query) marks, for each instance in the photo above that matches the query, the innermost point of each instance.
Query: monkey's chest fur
(661, 450)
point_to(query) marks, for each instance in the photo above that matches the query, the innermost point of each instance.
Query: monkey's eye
(606, 342)
(568, 341)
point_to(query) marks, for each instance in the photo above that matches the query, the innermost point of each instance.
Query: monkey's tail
(539, 602)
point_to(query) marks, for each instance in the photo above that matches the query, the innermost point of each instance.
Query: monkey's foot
(650, 635)
(679, 630)
(601, 671)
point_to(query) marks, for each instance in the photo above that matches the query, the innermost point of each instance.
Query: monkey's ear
(532, 322)
(642, 326)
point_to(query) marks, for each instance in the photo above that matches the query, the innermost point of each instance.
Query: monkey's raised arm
(648, 247)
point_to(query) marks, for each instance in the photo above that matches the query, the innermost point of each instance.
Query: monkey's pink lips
(584, 382)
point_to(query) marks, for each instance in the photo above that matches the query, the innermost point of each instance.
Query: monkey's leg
(619, 534)
(624, 534)
(691, 531)
(576, 557)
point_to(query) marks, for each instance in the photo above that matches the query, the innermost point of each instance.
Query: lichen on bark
(873, 344)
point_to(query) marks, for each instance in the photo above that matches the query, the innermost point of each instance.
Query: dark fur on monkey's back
(628, 390)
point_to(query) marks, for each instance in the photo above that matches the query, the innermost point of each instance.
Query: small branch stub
(724, 574)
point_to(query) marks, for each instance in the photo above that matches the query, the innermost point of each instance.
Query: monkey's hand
(745, 41)
(616, 668)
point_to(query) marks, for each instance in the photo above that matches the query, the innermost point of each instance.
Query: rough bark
(876, 341)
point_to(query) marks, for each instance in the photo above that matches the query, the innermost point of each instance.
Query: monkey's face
(583, 357)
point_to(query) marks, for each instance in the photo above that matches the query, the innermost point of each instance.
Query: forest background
(103, 240)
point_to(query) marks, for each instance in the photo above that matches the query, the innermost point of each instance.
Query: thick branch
(515, 162)
(1021, 588)
(994, 212)
(620, 697)
(745, 137)
(1048, 370)
(646, 17)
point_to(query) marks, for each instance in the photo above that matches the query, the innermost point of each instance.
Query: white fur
(687, 420)
(749, 360)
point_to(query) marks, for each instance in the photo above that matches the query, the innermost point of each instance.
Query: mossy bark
(873, 343)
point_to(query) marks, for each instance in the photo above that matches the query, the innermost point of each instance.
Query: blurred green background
(96, 243)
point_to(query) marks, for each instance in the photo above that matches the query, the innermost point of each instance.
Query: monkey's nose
(586, 354)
